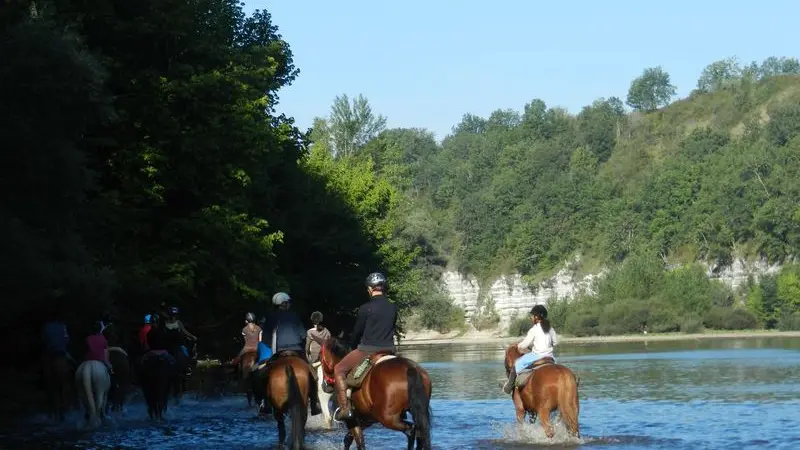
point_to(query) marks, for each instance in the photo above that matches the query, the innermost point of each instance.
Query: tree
(719, 74)
(350, 125)
(651, 90)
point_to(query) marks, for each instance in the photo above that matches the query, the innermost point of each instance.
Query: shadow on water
(739, 393)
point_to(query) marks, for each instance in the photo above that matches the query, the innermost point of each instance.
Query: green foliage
(651, 90)
(146, 163)
(719, 318)
(519, 325)
(439, 314)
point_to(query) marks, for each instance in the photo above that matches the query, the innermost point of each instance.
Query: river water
(702, 394)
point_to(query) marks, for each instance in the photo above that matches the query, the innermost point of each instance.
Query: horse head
(512, 353)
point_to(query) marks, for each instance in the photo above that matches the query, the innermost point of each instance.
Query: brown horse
(245, 367)
(58, 374)
(121, 379)
(387, 393)
(289, 384)
(550, 387)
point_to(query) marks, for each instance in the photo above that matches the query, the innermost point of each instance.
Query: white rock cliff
(512, 296)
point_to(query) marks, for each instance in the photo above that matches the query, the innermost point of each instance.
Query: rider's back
(157, 339)
(55, 337)
(290, 334)
(375, 326)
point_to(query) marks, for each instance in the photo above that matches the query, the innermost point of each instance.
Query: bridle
(327, 367)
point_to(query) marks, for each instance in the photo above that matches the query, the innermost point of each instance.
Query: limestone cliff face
(511, 296)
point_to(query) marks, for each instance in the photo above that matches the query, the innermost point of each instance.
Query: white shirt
(538, 341)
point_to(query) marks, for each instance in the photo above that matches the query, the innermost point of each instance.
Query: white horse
(93, 382)
(324, 398)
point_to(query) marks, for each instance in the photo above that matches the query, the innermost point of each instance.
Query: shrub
(438, 313)
(789, 322)
(719, 318)
(692, 325)
(519, 325)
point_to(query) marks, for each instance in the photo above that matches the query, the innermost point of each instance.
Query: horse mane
(338, 347)
(511, 354)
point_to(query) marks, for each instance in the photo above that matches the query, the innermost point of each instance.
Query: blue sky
(426, 63)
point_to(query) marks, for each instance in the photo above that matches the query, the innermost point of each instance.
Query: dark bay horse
(158, 373)
(121, 379)
(245, 366)
(390, 390)
(289, 384)
(59, 374)
(551, 387)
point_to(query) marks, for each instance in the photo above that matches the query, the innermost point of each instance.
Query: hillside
(710, 177)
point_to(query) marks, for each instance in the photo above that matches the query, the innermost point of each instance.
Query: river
(703, 394)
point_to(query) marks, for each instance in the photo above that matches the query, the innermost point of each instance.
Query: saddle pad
(357, 375)
(525, 375)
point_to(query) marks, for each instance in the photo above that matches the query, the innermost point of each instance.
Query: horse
(58, 374)
(323, 396)
(184, 363)
(158, 372)
(93, 383)
(389, 391)
(121, 380)
(550, 387)
(245, 368)
(289, 384)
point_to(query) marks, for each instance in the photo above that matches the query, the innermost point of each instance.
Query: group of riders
(283, 332)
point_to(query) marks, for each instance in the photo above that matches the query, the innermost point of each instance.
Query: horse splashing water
(385, 392)
(158, 372)
(121, 379)
(323, 395)
(58, 373)
(245, 367)
(289, 385)
(547, 388)
(93, 383)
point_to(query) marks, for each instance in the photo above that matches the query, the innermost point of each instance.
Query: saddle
(278, 355)
(359, 373)
(525, 375)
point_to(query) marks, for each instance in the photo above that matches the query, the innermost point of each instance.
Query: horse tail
(88, 390)
(420, 405)
(568, 403)
(297, 408)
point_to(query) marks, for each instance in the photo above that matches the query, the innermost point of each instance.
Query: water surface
(704, 394)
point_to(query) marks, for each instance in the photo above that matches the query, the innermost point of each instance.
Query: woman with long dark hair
(539, 343)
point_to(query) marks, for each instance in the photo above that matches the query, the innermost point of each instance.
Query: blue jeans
(527, 359)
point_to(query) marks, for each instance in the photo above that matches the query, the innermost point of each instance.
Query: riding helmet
(173, 311)
(540, 311)
(147, 318)
(281, 298)
(376, 280)
(250, 317)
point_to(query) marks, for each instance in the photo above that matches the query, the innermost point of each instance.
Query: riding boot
(509, 386)
(343, 413)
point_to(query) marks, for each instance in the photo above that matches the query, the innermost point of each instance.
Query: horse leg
(348, 440)
(519, 406)
(324, 398)
(358, 435)
(412, 436)
(544, 415)
(281, 428)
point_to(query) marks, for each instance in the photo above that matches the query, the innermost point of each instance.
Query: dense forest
(645, 193)
(144, 162)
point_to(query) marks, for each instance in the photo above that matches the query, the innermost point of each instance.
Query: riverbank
(489, 337)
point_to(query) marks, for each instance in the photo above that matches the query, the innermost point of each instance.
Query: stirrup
(343, 419)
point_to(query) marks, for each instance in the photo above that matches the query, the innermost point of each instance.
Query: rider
(287, 333)
(175, 327)
(374, 332)
(539, 342)
(97, 346)
(157, 340)
(316, 336)
(56, 337)
(252, 335)
(148, 325)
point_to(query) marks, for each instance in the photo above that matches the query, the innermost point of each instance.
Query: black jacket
(375, 325)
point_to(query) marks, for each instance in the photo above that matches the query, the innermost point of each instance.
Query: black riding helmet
(377, 280)
(250, 317)
(539, 311)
